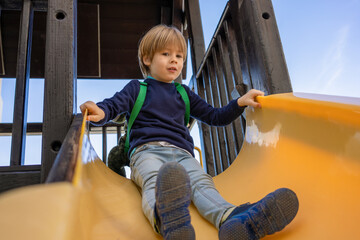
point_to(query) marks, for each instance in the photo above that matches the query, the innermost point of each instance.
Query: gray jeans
(145, 164)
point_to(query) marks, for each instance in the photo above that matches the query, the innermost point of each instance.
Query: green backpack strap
(135, 111)
(186, 100)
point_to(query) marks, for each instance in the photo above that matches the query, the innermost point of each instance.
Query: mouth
(172, 69)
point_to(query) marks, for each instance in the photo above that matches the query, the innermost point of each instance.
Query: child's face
(166, 64)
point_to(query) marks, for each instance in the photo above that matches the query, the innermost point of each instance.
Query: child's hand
(249, 98)
(95, 113)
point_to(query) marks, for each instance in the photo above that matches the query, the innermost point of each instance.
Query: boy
(161, 150)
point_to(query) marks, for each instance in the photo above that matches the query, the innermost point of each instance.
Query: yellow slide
(310, 146)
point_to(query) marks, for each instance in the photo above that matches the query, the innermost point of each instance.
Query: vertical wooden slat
(223, 96)
(22, 85)
(104, 144)
(235, 7)
(216, 103)
(237, 74)
(214, 138)
(60, 77)
(234, 57)
(196, 35)
(230, 85)
(204, 131)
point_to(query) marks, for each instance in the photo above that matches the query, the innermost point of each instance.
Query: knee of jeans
(202, 180)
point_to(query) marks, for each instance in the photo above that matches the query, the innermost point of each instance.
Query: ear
(146, 61)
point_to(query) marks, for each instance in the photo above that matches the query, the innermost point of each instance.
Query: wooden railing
(245, 52)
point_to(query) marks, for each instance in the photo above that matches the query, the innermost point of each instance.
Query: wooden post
(22, 85)
(257, 32)
(197, 43)
(60, 78)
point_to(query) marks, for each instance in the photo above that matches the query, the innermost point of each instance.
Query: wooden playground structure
(309, 143)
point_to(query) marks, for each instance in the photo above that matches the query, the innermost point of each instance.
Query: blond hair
(156, 39)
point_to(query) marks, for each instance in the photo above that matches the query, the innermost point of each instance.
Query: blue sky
(320, 42)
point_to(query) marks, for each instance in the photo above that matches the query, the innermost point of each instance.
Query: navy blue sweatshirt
(162, 115)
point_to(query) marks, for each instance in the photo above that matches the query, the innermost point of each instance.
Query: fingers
(87, 105)
(95, 114)
(94, 118)
(254, 93)
(249, 99)
(254, 104)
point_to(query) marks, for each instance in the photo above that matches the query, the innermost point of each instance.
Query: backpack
(118, 156)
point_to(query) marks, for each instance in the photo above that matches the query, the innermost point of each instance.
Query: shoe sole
(269, 215)
(173, 197)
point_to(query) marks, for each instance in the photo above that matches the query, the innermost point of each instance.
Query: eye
(165, 53)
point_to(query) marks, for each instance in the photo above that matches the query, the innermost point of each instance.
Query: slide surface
(310, 146)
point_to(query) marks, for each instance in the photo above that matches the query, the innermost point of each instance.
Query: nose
(173, 58)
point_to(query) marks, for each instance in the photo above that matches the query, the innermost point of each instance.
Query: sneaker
(267, 216)
(173, 197)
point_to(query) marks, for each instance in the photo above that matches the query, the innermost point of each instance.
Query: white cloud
(333, 63)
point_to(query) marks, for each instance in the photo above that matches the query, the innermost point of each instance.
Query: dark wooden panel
(10, 21)
(128, 71)
(38, 45)
(122, 26)
(177, 14)
(14, 177)
(122, 23)
(166, 13)
(88, 41)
